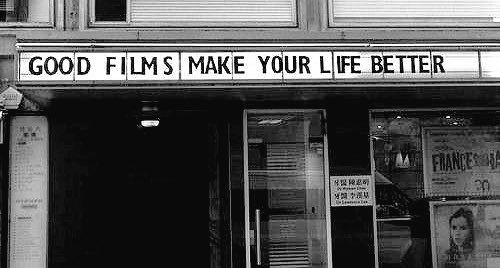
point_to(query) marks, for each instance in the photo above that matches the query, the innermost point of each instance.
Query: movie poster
(465, 234)
(461, 161)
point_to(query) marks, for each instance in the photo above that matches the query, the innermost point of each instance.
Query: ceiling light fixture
(149, 115)
(270, 121)
(150, 122)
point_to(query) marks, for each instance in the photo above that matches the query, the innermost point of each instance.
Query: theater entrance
(149, 196)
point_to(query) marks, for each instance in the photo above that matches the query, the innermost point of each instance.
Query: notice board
(28, 195)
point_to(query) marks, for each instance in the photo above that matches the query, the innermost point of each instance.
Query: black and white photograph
(250, 133)
(466, 233)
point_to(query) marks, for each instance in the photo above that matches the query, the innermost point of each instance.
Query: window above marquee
(414, 13)
(193, 13)
(26, 12)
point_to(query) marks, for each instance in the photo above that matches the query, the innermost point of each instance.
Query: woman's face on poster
(459, 230)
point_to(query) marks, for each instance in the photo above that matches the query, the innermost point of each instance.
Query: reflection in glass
(287, 189)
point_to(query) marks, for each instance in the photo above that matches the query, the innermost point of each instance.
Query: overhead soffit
(404, 95)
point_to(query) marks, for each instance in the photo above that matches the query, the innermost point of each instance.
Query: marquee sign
(268, 65)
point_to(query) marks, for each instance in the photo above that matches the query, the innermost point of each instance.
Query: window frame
(360, 22)
(50, 24)
(294, 23)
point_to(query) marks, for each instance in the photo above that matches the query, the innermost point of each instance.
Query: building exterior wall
(347, 104)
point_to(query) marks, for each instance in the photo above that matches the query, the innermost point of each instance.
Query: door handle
(257, 237)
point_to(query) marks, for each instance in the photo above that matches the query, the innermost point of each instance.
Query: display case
(416, 160)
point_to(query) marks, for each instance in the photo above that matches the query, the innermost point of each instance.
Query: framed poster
(461, 161)
(465, 234)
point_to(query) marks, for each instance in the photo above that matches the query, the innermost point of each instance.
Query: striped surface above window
(213, 11)
(481, 10)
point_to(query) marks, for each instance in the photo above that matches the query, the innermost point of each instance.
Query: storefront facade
(302, 136)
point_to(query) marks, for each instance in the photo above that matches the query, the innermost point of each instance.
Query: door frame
(246, 188)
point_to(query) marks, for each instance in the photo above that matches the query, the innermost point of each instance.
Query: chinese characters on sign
(461, 161)
(234, 65)
(351, 191)
(28, 200)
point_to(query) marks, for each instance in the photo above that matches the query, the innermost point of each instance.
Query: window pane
(287, 190)
(404, 192)
(480, 10)
(33, 11)
(110, 10)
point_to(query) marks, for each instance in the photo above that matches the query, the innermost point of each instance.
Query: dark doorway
(145, 196)
(151, 205)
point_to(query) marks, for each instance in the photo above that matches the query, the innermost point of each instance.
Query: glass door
(287, 211)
